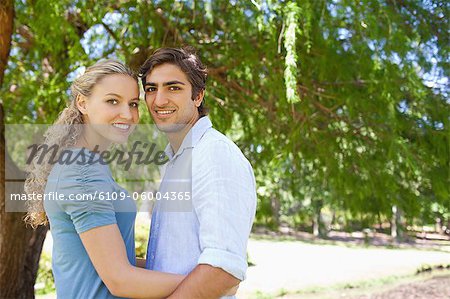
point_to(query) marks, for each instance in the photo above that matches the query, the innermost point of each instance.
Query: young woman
(93, 239)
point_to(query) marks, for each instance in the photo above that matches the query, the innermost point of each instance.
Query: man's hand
(232, 291)
(207, 282)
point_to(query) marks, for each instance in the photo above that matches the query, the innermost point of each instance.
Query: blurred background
(342, 107)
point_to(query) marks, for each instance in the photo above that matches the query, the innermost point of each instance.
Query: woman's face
(111, 111)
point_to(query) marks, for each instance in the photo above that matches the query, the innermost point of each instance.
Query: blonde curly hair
(64, 133)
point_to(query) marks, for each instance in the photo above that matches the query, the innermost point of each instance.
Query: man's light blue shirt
(210, 220)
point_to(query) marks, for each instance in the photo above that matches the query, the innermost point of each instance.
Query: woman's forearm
(120, 277)
(135, 282)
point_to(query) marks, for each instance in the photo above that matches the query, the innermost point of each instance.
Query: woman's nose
(126, 113)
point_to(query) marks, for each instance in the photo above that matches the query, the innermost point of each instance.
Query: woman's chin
(119, 140)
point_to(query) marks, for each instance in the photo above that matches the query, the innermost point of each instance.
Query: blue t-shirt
(84, 184)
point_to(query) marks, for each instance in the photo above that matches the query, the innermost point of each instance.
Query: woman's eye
(134, 104)
(113, 101)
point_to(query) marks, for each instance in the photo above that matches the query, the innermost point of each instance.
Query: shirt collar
(192, 137)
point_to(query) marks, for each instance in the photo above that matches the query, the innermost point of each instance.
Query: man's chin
(170, 128)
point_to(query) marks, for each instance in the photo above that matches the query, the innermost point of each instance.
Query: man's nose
(160, 99)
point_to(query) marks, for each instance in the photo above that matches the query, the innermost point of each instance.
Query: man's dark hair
(188, 61)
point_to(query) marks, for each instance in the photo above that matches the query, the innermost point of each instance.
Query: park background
(341, 106)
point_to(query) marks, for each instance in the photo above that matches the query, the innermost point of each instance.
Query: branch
(329, 112)
(73, 17)
(169, 28)
(317, 93)
(26, 33)
(116, 38)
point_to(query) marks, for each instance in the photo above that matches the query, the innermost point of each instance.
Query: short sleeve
(224, 199)
(80, 188)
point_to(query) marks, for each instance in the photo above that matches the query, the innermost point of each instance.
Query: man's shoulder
(213, 139)
(214, 143)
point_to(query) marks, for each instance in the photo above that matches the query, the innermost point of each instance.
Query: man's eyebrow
(165, 83)
(173, 83)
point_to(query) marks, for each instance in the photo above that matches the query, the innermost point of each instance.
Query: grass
(362, 287)
(51, 295)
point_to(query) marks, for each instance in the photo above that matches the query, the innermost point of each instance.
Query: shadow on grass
(353, 240)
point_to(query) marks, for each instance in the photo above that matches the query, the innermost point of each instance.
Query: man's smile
(164, 113)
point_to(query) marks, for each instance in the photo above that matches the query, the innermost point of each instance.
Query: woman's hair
(64, 133)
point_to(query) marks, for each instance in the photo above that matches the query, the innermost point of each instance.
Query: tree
(337, 104)
(20, 247)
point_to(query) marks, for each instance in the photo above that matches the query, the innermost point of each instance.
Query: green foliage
(372, 127)
(290, 73)
(45, 276)
(141, 239)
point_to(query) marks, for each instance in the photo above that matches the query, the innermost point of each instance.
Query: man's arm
(224, 200)
(206, 281)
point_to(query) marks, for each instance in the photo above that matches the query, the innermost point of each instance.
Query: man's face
(168, 94)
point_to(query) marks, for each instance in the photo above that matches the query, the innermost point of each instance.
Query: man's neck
(176, 138)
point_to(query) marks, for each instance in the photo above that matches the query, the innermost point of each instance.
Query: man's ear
(81, 103)
(198, 100)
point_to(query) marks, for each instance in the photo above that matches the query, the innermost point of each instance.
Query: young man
(202, 222)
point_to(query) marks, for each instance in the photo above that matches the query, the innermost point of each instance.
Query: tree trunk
(317, 220)
(396, 224)
(316, 225)
(20, 247)
(447, 229)
(275, 206)
(6, 28)
(438, 225)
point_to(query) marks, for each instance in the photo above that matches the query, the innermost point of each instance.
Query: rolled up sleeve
(224, 200)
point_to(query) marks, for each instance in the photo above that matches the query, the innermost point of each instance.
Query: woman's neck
(93, 142)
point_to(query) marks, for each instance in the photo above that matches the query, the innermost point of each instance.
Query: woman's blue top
(80, 195)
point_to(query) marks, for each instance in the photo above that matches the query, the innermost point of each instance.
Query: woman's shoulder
(79, 165)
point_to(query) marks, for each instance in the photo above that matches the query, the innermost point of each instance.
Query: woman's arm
(106, 250)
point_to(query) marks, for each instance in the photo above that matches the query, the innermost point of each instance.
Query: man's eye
(150, 89)
(113, 101)
(174, 88)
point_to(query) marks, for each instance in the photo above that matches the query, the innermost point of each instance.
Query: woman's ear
(81, 103)
(198, 100)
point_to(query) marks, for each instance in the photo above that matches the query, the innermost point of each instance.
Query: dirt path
(290, 266)
(435, 288)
